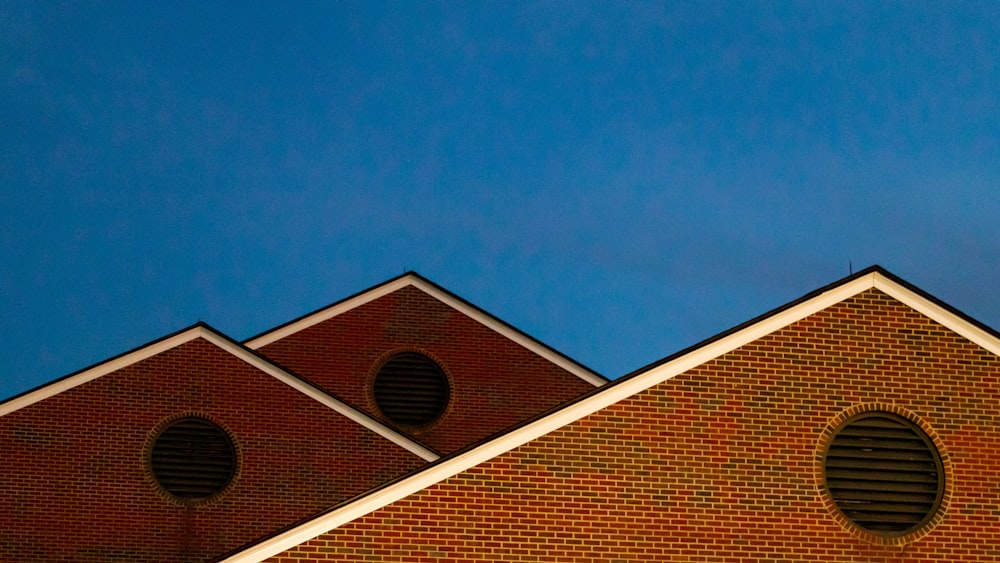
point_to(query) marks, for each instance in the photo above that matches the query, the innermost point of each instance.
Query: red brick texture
(495, 382)
(723, 462)
(76, 483)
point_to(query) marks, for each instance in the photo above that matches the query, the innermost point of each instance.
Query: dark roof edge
(331, 305)
(199, 324)
(505, 323)
(447, 292)
(944, 305)
(873, 269)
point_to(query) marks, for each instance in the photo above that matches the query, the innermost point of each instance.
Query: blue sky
(619, 180)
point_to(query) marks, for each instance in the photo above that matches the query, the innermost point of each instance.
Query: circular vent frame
(411, 390)
(884, 474)
(193, 459)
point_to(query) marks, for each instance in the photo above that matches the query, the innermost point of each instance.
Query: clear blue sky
(620, 180)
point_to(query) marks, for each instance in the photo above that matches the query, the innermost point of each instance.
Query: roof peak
(205, 331)
(413, 279)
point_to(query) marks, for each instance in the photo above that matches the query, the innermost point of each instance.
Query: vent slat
(884, 519)
(885, 478)
(839, 449)
(847, 495)
(863, 444)
(410, 401)
(889, 466)
(876, 434)
(217, 466)
(409, 394)
(863, 480)
(877, 422)
(886, 508)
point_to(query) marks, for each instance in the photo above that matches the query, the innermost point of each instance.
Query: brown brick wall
(74, 482)
(495, 382)
(720, 463)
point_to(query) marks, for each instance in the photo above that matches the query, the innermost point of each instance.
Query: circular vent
(411, 390)
(884, 474)
(193, 459)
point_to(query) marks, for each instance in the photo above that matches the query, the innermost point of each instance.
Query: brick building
(195, 445)
(858, 423)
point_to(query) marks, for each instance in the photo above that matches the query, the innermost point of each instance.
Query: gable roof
(649, 376)
(437, 292)
(205, 332)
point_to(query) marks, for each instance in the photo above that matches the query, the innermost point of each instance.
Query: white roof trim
(236, 350)
(460, 306)
(328, 313)
(938, 313)
(614, 393)
(93, 373)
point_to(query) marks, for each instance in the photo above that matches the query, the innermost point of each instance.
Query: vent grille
(193, 459)
(884, 474)
(411, 390)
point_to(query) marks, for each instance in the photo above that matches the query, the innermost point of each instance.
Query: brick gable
(489, 373)
(721, 462)
(76, 484)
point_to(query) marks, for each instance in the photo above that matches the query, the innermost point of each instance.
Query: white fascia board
(328, 313)
(321, 397)
(241, 353)
(460, 306)
(938, 314)
(97, 371)
(504, 443)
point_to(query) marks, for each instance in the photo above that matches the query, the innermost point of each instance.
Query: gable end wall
(76, 485)
(495, 381)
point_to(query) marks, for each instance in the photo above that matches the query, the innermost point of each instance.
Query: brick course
(722, 462)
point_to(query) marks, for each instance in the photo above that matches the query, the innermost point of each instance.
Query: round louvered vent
(884, 473)
(193, 459)
(411, 390)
